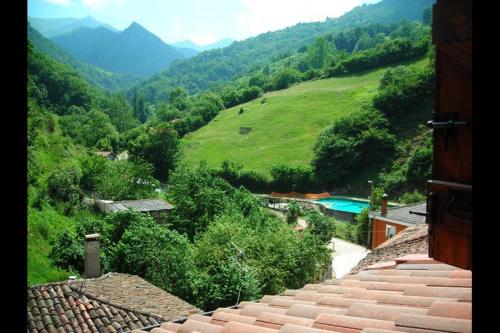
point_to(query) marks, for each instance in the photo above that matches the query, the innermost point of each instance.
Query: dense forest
(216, 217)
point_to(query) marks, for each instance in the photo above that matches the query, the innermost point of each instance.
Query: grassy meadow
(285, 127)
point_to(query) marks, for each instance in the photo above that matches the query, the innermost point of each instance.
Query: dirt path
(346, 255)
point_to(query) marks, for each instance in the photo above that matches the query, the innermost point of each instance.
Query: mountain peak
(135, 25)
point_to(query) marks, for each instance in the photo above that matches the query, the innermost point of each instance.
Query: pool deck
(390, 203)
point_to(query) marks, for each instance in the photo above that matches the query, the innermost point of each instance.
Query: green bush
(412, 197)
(320, 225)
(272, 258)
(293, 212)
(288, 178)
(63, 188)
(352, 144)
(67, 251)
(402, 88)
(152, 251)
(126, 180)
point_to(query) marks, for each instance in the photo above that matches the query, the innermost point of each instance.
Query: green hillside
(285, 127)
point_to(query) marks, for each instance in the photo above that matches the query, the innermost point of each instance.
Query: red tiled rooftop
(416, 294)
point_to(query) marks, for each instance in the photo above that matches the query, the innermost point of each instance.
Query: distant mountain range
(107, 80)
(213, 69)
(50, 27)
(96, 45)
(218, 44)
(134, 50)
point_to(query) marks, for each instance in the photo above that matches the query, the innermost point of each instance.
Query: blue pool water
(344, 205)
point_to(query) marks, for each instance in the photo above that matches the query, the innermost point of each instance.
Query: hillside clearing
(285, 127)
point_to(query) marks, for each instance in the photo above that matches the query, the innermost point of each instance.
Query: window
(389, 231)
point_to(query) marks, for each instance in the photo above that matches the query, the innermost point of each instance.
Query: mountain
(186, 51)
(218, 44)
(214, 68)
(50, 27)
(134, 50)
(106, 80)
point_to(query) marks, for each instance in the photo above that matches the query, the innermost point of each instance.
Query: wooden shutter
(450, 190)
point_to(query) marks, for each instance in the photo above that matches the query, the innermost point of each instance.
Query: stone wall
(344, 216)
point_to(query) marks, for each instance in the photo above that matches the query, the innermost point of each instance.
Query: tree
(284, 78)
(158, 145)
(320, 225)
(121, 113)
(350, 145)
(198, 197)
(138, 245)
(427, 16)
(361, 228)
(318, 53)
(63, 185)
(92, 166)
(127, 180)
(179, 98)
(401, 88)
(140, 109)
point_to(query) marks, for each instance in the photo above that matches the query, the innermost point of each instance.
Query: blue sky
(202, 21)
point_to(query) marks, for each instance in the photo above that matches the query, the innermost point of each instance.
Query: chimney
(92, 261)
(383, 208)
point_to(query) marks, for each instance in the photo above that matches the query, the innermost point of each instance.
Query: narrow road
(346, 255)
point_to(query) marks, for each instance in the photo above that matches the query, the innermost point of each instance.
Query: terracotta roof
(112, 303)
(408, 241)
(397, 289)
(416, 294)
(143, 205)
(401, 215)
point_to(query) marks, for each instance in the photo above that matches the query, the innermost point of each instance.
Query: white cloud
(203, 38)
(268, 15)
(60, 2)
(177, 28)
(98, 4)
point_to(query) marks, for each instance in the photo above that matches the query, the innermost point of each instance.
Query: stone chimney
(92, 261)
(383, 208)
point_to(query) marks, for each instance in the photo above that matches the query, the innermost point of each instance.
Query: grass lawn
(285, 128)
(43, 226)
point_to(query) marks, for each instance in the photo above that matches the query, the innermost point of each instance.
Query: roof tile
(340, 322)
(439, 324)
(221, 318)
(462, 294)
(459, 310)
(276, 321)
(383, 312)
(291, 328)
(311, 312)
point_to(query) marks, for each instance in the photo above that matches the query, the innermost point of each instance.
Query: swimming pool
(343, 204)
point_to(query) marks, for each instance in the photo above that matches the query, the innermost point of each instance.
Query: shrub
(63, 188)
(412, 197)
(293, 212)
(67, 251)
(361, 228)
(320, 225)
(401, 88)
(287, 179)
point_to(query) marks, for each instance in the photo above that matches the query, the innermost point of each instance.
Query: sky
(201, 21)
